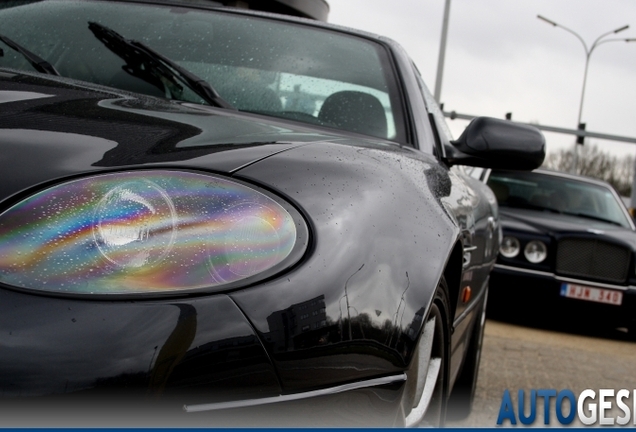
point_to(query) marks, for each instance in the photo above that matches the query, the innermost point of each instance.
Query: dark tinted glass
(259, 65)
(555, 194)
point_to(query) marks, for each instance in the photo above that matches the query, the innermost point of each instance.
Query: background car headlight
(535, 251)
(509, 247)
(147, 232)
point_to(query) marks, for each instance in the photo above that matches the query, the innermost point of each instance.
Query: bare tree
(593, 162)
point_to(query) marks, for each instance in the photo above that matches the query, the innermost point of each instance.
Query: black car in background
(568, 247)
(210, 216)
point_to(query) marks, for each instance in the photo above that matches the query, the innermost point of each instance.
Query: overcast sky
(500, 58)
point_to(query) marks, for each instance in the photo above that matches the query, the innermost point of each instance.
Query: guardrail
(578, 132)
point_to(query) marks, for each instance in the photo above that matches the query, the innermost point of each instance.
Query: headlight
(152, 232)
(509, 247)
(535, 251)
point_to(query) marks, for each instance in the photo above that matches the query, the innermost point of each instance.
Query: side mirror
(493, 143)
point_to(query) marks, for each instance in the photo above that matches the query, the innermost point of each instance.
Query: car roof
(213, 5)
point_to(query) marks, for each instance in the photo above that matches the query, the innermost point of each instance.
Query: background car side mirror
(493, 143)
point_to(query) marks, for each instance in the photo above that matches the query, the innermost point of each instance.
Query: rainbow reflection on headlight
(138, 232)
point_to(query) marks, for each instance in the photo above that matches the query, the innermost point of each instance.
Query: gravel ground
(518, 357)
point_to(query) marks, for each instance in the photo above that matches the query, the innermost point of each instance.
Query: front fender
(353, 308)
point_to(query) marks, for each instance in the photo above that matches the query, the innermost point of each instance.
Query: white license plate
(598, 295)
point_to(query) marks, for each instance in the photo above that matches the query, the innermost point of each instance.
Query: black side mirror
(493, 143)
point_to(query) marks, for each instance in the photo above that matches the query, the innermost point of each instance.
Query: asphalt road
(524, 356)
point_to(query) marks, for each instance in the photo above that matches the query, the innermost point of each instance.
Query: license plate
(598, 295)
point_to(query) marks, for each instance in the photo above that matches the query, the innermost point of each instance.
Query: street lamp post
(442, 53)
(588, 54)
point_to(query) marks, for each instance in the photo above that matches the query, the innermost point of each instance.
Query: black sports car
(568, 247)
(237, 217)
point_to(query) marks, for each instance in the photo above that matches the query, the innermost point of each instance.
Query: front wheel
(427, 377)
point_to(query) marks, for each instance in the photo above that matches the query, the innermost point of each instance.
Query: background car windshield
(258, 65)
(557, 194)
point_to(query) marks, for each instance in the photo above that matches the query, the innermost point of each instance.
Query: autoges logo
(604, 407)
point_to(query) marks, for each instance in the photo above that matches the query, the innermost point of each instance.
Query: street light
(442, 53)
(588, 53)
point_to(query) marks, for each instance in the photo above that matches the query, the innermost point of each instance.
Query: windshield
(258, 65)
(536, 191)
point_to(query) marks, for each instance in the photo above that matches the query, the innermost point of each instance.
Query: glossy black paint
(352, 265)
(558, 225)
(536, 298)
(488, 143)
(95, 131)
(386, 222)
(345, 201)
(515, 282)
(56, 346)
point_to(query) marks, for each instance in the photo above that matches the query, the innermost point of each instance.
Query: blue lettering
(565, 394)
(506, 410)
(533, 407)
(546, 394)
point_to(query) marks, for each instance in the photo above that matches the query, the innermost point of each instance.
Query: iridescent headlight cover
(147, 232)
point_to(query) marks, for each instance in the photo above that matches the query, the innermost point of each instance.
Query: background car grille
(592, 258)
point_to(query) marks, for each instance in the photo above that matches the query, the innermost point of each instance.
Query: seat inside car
(355, 111)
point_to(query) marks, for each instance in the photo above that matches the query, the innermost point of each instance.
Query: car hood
(54, 128)
(555, 224)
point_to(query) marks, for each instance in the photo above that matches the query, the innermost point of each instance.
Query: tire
(426, 395)
(463, 395)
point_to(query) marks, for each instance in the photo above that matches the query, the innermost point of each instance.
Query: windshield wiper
(36, 61)
(136, 53)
